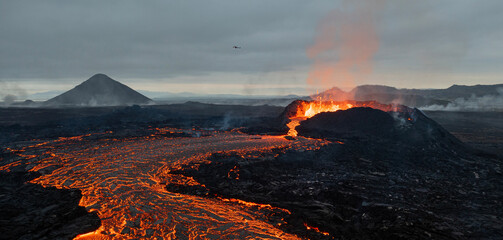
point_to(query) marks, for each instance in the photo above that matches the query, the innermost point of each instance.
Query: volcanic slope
(99, 90)
(384, 175)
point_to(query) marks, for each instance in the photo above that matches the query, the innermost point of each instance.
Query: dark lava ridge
(30, 211)
(409, 127)
(391, 176)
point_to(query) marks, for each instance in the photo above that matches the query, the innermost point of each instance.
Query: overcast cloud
(157, 44)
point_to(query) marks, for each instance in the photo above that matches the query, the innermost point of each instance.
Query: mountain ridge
(409, 97)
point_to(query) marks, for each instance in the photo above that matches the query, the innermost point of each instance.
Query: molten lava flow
(123, 180)
(258, 205)
(292, 125)
(315, 229)
(309, 109)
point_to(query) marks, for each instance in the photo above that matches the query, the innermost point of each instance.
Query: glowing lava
(316, 229)
(299, 110)
(309, 109)
(291, 126)
(123, 180)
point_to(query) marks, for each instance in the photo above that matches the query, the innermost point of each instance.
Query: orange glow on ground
(123, 180)
(316, 229)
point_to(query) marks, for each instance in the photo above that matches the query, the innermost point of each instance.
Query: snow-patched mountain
(99, 90)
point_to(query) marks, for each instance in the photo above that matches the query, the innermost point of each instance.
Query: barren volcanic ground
(189, 172)
(482, 130)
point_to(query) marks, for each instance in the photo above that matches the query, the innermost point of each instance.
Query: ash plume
(489, 102)
(345, 42)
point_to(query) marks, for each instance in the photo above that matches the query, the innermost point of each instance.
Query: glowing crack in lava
(301, 110)
(124, 179)
(315, 229)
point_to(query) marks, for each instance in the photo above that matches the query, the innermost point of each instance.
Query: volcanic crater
(344, 170)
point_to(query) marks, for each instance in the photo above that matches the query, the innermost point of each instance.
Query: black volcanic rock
(30, 211)
(388, 175)
(371, 189)
(99, 90)
(293, 108)
(410, 127)
(360, 120)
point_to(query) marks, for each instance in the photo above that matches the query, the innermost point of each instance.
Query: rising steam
(345, 42)
(11, 92)
(489, 102)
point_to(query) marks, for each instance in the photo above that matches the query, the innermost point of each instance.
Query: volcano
(354, 170)
(363, 119)
(99, 90)
(301, 110)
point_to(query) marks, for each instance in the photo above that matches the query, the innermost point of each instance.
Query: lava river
(123, 180)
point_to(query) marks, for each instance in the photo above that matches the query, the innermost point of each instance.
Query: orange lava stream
(316, 229)
(120, 179)
(251, 204)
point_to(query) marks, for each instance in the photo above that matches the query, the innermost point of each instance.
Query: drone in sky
(236, 47)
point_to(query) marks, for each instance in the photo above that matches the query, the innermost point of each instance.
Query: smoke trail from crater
(345, 42)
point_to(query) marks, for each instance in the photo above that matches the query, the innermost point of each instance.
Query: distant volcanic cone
(99, 90)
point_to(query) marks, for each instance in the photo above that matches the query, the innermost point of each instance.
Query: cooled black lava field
(191, 171)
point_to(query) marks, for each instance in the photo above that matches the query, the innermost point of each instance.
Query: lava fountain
(301, 110)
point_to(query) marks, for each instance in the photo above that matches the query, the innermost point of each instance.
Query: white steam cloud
(11, 92)
(490, 102)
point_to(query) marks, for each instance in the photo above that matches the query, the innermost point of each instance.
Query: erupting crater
(301, 110)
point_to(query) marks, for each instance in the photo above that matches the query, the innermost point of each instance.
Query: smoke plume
(345, 42)
(490, 102)
(11, 92)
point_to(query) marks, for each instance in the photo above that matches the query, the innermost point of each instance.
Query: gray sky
(187, 45)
